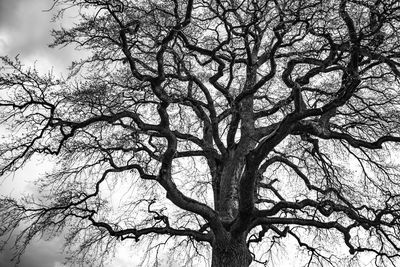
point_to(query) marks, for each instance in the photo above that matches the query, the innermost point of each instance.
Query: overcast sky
(25, 31)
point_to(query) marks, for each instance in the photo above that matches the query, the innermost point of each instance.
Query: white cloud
(3, 44)
(25, 31)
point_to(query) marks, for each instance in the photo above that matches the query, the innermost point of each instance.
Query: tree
(230, 125)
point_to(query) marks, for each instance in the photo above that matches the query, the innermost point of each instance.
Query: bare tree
(231, 125)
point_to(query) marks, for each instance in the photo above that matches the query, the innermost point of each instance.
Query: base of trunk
(231, 254)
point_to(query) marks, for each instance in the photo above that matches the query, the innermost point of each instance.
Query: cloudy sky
(25, 31)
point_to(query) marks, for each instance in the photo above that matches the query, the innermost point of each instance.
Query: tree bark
(231, 254)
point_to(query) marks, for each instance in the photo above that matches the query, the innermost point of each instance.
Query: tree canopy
(235, 127)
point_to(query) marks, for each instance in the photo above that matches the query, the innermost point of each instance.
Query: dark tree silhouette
(234, 126)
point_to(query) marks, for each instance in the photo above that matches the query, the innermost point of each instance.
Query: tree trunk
(231, 254)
